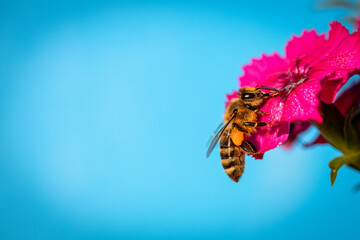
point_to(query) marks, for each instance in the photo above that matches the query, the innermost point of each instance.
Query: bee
(239, 122)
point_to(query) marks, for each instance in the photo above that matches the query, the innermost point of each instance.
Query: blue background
(105, 110)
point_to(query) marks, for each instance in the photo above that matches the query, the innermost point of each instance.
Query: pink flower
(313, 70)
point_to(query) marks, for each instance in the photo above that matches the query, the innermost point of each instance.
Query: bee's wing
(214, 133)
(218, 135)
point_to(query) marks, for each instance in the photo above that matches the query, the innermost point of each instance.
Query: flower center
(295, 76)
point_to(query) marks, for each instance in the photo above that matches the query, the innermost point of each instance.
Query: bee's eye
(247, 96)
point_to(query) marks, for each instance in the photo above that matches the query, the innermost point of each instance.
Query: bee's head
(252, 96)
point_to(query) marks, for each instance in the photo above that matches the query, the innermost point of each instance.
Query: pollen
(237, 136)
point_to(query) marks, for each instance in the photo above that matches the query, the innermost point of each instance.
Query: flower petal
(274, 134)
(303, 103)
(267, 138)
(305, 47)
(296, 104)
(264, 71)
(341, 63)
(337, 34)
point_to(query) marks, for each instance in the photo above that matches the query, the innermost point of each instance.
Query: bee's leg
(261, 112)
(270, 94)
(248, 147)
(255, 109)
(266, 88)
(239, 128)
(255, 124)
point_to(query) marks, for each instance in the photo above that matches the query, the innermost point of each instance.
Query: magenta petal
(267, 138)
(337, 34)
(341, 64)
(276, 133)
(304, 47)
(303, 103)
(298, 104)
(263, 71)
(273, 106)
(330, 88)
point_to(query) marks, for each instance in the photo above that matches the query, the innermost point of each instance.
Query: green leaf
(355, 164)
(350, 135)
(332, 127)
(352, 160)
(335, 165)
(333, 175)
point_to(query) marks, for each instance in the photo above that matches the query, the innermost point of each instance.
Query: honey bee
(239, 122)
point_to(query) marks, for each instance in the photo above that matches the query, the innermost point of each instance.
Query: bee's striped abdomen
(232, 159)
